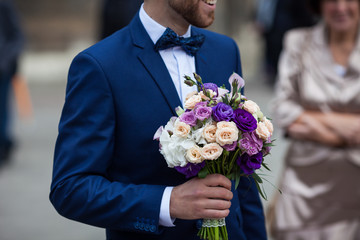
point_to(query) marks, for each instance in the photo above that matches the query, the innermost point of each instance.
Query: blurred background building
(55, 32)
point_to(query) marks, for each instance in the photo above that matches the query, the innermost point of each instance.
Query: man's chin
(204, 19)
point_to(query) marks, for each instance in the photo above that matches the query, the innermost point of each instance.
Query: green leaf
(237, 177)
(257, 178)
(260, 191)
(266, 166)
(203, 173)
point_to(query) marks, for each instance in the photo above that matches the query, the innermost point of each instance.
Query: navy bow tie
(170, 39)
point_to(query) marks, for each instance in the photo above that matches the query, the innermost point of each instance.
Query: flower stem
(233, 161)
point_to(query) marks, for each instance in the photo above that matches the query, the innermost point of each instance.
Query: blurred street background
(55, 32)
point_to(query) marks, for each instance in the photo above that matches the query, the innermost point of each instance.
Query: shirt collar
(153, 28)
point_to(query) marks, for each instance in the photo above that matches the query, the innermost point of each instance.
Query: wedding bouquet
(219, 131)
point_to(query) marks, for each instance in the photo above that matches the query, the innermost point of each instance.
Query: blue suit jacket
(108, 171)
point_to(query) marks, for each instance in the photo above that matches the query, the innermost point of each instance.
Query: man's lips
(210, 2)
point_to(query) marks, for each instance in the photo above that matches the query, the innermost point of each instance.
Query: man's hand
(202, 198)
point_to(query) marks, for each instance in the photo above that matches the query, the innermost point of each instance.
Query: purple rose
(251, 143)
(244, 120)
(212, 86)
(188, 118)
(222, 112)
(202, 112)
(248, 164)
(191, 169)
(230, 147)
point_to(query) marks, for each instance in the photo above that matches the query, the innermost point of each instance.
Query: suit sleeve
(81, 189)
(250, 203)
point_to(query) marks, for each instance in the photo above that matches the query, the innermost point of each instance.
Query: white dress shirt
(178, 64)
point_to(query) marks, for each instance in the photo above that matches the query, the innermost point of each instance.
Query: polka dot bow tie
(170, 39)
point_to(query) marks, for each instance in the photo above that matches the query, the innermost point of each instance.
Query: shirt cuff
(164, 218)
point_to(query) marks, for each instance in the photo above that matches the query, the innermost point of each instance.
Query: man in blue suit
(108, 171)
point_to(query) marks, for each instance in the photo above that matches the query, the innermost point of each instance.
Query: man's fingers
(216, 204)
(219, 193)
(215, 180)
(215, 214)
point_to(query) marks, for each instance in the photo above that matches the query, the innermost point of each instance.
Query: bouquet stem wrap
(213, 229)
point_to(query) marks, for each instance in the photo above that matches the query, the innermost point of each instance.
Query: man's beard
(191, 13)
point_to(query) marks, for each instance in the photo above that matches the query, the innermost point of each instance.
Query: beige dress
(320, 184)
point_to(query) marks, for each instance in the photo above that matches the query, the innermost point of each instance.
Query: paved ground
(25, 211)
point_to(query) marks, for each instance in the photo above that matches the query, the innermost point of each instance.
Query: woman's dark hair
(315, 6)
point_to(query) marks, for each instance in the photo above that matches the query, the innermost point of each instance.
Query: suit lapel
(154, 64)
(200, 57)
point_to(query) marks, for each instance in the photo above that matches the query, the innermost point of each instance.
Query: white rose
(211, 151)
(182, 129)
(251, 106)
(192, 101)
(189, 95)
(224, 124)
(227, 135)
(209, 133)
(193, 155)
(262, 131)
(269, 125)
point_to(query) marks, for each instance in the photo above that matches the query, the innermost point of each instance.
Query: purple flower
(211, 86)
(188, 118)
(248, 164)
(202, 104)
(267, 150)
(191, 169)
(235, 78)
(222, 112)
(244, 120)
(230, 147)
(158, 133)
(251, 143)
(202, 112)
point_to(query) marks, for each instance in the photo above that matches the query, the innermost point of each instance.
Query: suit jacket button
(152, 228)
(147, 227)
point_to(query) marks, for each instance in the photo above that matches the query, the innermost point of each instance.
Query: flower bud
(190, 83)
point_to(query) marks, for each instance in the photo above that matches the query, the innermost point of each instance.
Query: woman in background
(318, 106)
